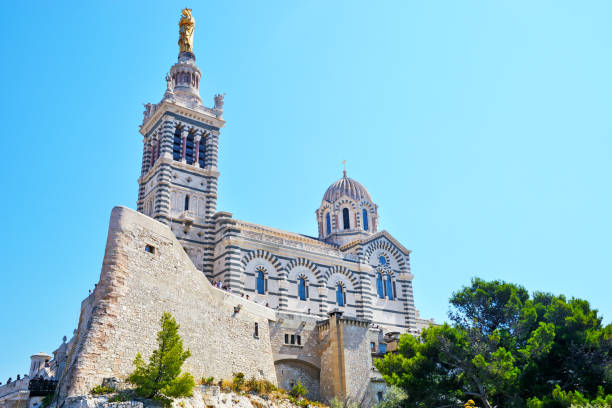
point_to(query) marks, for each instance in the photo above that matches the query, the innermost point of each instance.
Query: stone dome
(346, 186)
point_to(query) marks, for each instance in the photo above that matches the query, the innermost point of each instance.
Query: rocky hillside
(203, 397)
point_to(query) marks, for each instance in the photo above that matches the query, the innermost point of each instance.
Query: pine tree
(161, 378)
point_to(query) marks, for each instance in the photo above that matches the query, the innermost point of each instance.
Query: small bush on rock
(101, 390)
(207, 380)
(298, 390)
(226, 385)
(120, 397)
(238, 381)
(261, 387)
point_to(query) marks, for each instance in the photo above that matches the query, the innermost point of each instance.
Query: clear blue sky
(481, 129)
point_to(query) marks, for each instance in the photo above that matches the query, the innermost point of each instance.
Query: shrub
(120, 397)
(101, 390)
(226, 385)
(207, 380)
(298, 390)
(394, 398)
(338, 403)
(238, 381)
(260, 386)
(161, 378)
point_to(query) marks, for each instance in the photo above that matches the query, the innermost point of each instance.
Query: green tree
(503, 349)
(394, 398)
(161, 378)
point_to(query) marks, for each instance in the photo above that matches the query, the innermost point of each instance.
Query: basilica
(250, 298)
(351, 266)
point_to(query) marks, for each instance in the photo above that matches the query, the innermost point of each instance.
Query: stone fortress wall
(146, 272)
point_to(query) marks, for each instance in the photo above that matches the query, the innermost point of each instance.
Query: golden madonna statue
(186, 26)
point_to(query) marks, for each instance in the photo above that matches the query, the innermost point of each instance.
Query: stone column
(196, 141)
(323, 291)
(161, 210)
(184, 134)
(333, 382)
(167, 137)
(146, 157)
(212, 142)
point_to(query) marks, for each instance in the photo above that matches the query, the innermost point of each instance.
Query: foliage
(563, 399)
(207, 380)
(238, 381)
(298, 390)
(161, 378)
(339, 403)
(226, 385)
(394, 397)
(101, 390)
(260, 386)
(47, 400)
(120, 397)
(505, 348)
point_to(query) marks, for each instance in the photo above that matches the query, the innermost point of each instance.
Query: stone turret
(186, 77)
(38, 361)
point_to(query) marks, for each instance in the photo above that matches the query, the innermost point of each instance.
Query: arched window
(186, 202)
(328, 223)
(177, 145)
(190, 148)
(379, 286)
(364, 215)
(389, 287)
(345, 218)
(261, 285)
(302, 289)
(340, 295)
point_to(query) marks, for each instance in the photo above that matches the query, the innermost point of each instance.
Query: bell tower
(178, 180)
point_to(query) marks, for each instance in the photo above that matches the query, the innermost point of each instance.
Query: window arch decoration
(304, 267)
(261, 254)
(372, 251)
(327, 276)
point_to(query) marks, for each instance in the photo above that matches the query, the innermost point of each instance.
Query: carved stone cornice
(200, 114)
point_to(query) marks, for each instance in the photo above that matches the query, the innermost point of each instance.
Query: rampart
(146, 272)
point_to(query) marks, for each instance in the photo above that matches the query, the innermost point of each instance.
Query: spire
(183, 81)
(344, 171)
